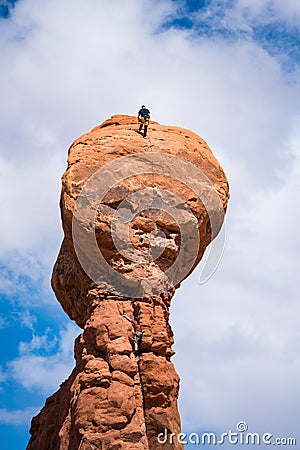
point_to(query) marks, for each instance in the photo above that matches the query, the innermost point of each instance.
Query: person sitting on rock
(143, 118)
(138, 334)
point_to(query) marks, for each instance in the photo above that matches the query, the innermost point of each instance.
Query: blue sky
(228, 71)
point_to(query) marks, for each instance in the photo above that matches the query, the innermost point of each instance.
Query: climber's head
(143, 106)
(137, 319)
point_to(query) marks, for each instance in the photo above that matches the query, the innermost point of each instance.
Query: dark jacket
(144, 112)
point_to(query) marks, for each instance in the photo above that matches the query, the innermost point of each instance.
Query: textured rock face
(151, 206)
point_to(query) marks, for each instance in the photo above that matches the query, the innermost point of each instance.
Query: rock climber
(144, 118)
(138, 334)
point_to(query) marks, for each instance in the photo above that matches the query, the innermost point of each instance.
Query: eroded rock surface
(114, 399)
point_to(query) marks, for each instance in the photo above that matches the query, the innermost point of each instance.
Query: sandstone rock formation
(151, 206)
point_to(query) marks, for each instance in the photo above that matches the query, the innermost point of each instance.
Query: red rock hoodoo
(137, 216)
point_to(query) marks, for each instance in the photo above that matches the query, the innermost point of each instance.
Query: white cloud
(238, 356)
(2, 375)
(45, 373)
(271, 10)
(28, 320)
(238, 335)
(2, 322)
(18, 416)
(29, 190)
(25, 277)
(39, 373)
(44, 343)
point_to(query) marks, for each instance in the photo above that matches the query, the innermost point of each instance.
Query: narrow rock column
(113, 399)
